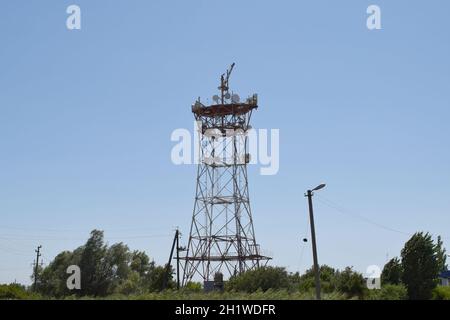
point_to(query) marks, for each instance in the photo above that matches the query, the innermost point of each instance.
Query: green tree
(155, 278)
(132, 285)
(104, 270)
(117, 265)
(53, 277)
(140, 262)
(94, 271)
(144, 276)
(350, 283)
(392, 272)
(327, 279)
(146, 269)
(421, 266)
(263, 278)
(441, 254)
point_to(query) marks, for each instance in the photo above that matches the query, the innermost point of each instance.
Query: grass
(189, 295)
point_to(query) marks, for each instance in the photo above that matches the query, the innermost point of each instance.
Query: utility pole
(166, 276)
(178, 259)
(309, 194)
(175, 245)
(38, 254)
(179, 249)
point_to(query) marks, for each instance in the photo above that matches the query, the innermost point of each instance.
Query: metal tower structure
(222, 237)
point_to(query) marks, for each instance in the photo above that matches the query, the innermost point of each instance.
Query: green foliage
(421, 266)
(93, 266)
(388, 292)
(441, 293)
(115, 272)
(52, 279)
(263, 278)
(104, 271)
(347, 282)
(193, 286)
(132, 284)
(183, 294)
(441, 254)
(392, 272)
(15, 291)
(327, 280)
(350, 283)
(156, 278)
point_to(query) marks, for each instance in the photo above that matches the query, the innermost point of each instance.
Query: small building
(445, 278)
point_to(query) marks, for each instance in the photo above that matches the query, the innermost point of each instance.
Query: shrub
(388, 292)
(327, 280)
(350, 283)
(441, 293)
(193, 287)
(15, 292)
(259, 279)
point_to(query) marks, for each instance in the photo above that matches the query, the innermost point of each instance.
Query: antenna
(229, 233)
(224, 82)
(229, 73)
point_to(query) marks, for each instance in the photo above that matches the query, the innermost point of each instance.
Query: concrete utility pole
(309, 194)
(168, 265)
(179, 249)
(178, 260)
(38, 254)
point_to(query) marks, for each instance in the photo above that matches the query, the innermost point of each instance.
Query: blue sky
(86, 118)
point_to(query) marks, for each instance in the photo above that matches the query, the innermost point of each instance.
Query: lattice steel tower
(222, 237)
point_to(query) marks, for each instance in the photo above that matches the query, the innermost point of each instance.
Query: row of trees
(116, 269)
(105, 270)
(414, 276)
(347, 282)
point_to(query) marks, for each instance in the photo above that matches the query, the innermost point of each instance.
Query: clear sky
(86, 118)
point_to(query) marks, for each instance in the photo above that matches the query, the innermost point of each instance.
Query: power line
(304, 236)
(333, 205)
(39, 238)
(13, 251)
(14, 268)
(74, 230)
(339, 209)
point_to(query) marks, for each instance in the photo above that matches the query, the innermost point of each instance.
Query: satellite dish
(215, 98)
(235, 98)
(227, 95)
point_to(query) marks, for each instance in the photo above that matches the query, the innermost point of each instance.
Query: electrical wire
(339, 209)
(13, 251)
(39, 238)
(305, 236)
(73, 230)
